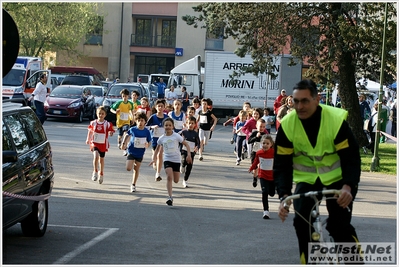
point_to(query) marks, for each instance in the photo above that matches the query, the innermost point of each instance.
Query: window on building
(143, 34)
(95, 34)
(148, 65)
(214, 39)
(168, 36)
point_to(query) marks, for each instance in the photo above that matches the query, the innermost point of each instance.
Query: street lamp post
(375, 163)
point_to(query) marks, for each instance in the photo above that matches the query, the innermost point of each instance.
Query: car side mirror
(10, 156)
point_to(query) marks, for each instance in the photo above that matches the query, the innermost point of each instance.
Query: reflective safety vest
(322, 160)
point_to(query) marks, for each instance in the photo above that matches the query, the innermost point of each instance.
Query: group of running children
(176, 136)
(251, 135)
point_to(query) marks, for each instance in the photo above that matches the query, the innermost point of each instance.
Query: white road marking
(68, 257)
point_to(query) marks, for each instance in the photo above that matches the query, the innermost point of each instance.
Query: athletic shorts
(175, 166)
(123, 129)
(204, 135)
(102, 154)
(131, 157)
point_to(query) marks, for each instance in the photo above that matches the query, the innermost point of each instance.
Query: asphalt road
(217, 220)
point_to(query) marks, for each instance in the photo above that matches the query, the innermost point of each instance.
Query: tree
(341, 41)
(52, 26)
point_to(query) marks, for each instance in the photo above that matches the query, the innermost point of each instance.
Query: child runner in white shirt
(169, 142)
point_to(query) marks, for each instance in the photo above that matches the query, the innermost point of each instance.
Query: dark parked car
(70, 102)
(80, 80)
(28, 174)
(114, 94)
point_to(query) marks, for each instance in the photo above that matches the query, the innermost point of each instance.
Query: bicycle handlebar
(310, 194)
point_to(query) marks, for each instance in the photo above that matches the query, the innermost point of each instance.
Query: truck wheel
(36, 223)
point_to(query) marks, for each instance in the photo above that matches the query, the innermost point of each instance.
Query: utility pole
(375, 163)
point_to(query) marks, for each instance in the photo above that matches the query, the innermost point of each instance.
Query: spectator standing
(172, 95)
(277, 101)
(39, 97)
(161, 88)
(392, 118)
(283, 101)
(365, 111)
(285, 109)
(384, 116)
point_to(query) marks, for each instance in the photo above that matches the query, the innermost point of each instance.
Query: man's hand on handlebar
(283, 210)
(346, 197)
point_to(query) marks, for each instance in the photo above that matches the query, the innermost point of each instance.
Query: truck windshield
(14, 78)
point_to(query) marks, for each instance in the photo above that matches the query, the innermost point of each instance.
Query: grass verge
(387, 152)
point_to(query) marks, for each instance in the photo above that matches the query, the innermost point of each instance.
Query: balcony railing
(153, 41)
(94, 39)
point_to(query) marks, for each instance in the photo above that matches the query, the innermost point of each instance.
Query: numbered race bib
(124, 116)
(170, 147)
(203, 119)
(99, 138)
(190, 144)
(256, 146)
(159, 131)
(139, 142)
(266, 164)
(178, 124)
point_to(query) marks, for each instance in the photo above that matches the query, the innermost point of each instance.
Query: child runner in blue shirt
(138, 138)
(154, 123)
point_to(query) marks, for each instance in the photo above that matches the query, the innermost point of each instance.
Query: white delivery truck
(229, 94)
(21, 80)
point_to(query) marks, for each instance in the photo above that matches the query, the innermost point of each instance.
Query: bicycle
(317, 235)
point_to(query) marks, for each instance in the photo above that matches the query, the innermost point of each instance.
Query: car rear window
(76, 80)
(17, 132)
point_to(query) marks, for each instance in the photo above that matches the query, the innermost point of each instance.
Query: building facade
(143, 38)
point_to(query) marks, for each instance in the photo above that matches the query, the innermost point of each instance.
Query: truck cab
(21, 80)
(188, 74)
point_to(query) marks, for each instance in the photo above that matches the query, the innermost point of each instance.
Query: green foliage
(341, 41)
(387, 152)
(52, 26)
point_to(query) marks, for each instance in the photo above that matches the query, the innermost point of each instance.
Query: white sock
(157, 175)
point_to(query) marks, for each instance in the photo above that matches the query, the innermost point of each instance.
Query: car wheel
(80, 117)
(36, 223)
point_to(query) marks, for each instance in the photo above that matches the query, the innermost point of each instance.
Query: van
(21, 80)
(64, 70)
